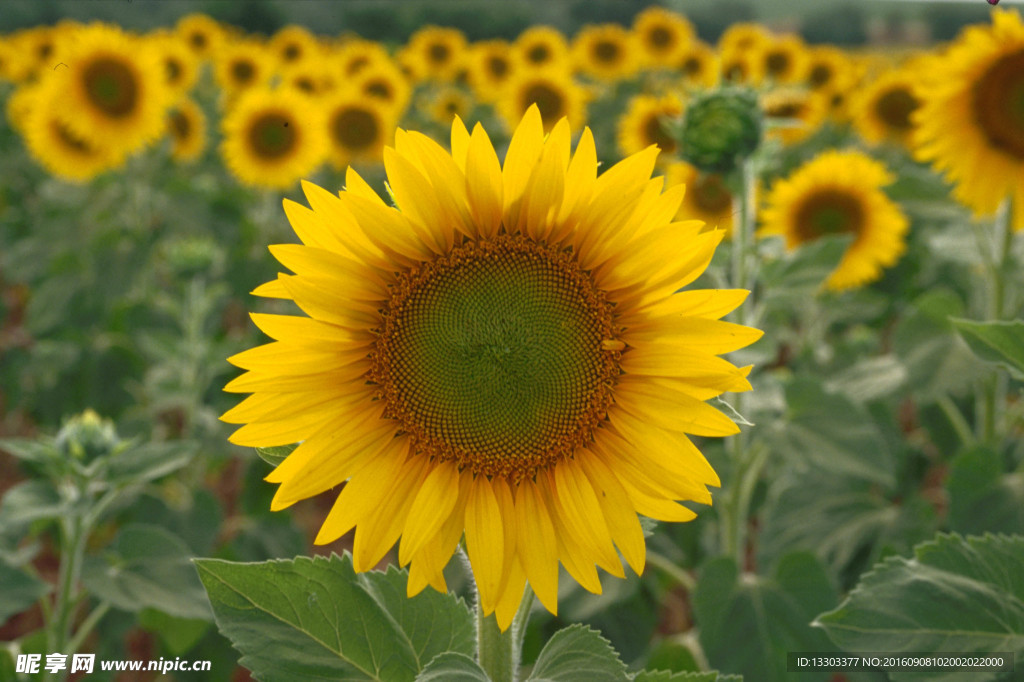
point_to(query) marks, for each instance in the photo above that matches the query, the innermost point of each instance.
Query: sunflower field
(554, 342)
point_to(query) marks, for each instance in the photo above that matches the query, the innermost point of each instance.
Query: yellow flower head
(707, 197)
(884, 107)
(840, 192)
(243, 64)
(663, 35)
(491, 66)
(607, 52)
(358, 127)
(541, 46)
(500, 356)
(186, 124)
(202, 34)
(970, 124)
(646, 122)
(436, 53)
(552, 91)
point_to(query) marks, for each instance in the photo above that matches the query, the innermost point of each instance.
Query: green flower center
(492, 356)
(777, 64)
(829, 211)
(895, 107)
(498, 66)
(439, 53)
(998, 104)
(660, 37)
(355, 129)
(820, 75)
(111, 86)
(606, 52)
(538, 54)
(272, 136)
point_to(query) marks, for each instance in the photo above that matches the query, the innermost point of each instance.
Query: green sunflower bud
(721, 128)
(87, 436)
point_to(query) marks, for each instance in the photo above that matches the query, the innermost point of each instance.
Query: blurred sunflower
(12, 61)
(181, 67)
(491, 65)
(384, 83)
(292, 45)
(447, 103)
(840, 192)
(501, 356)
(646, 121)
(56, 146)
(113, 92)
(36, 48)
(744, 36)
(357, 127)
(698, 66)
(785, 60)
(541, 46)
(662, 35)
(243, 64)
(19, 103)
(202, 34)
(605, 51)
(797, 113)
(829, 69)
(970, 124)
(437, 53)
(273, 137)
(356, 54)
(186, 124)
(740, 66)
(553, 91)
(884, 107)
(313, 77)
(708, 197)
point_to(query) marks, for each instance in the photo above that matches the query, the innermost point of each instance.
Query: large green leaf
(802, 272)
(147, 567)
(749, 622)
(578, 654)
(453, 667)
(828, 432)
(869, 379)
(955, 596)
(27, 502)
(999, 342)
(316, 619)
(18, 590)
(150, 461)
(982, 496)
(663, 676)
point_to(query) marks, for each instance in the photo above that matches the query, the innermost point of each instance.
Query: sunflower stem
(666, 566)
(993, 388)
(498, 652)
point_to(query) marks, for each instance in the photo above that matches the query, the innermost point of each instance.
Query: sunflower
(446, 103)
(384, 83)
(554, 93)
(202, 34)
(646, 122)
(356, 54)
(970, 124)
(273, 137)
(698, 65)
(883, 107)
(243, 64)
(840, 192)
(12, 61)
(357, 127)
(829, 69)
(181, 68)
(605, 51)
(740, 66)
(36, 48)
(56, 146)
(663, 35)
(113, 90)
(744, 36)
(491, 66)
(784, 59)
(798, 113)
(541, 46)
(314, 77)
(436, 52)
(501, 356)
(292, 45)
(708, 197)
(186, 125)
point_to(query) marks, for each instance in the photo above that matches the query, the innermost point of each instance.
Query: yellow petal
(511, 597)
(523, 151)
(673, 410)
(484, 187)
(378, 533)
(536, 537)
(619, 513)
(577, 504)
(485, 541)
(431, 507)
(460, 142)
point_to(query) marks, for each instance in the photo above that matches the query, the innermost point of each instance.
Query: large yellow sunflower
(607, 52)
(273, 137)
(883, 107)
(662, 35)
(646, 122)
(553, 91)
(500, 356)
(113, 89)
(840, 192)
(970, 124)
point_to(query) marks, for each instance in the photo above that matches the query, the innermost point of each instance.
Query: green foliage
(748, 622)
(578, 654)
(664, 676)
(1001, 342)
(955, 596)
(316, 618)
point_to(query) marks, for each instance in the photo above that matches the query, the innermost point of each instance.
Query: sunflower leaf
(276, 454)
(691, 676)
(999, 342)
(315, 618)
(578, 654)
(452, 667)
(956, 595)
(18, 590)
(982, 496)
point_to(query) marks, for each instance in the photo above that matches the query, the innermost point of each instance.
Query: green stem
(993, 389)
(496, 650)
(86, 627)
(956, 420)
(74, 534)
(666, 566)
